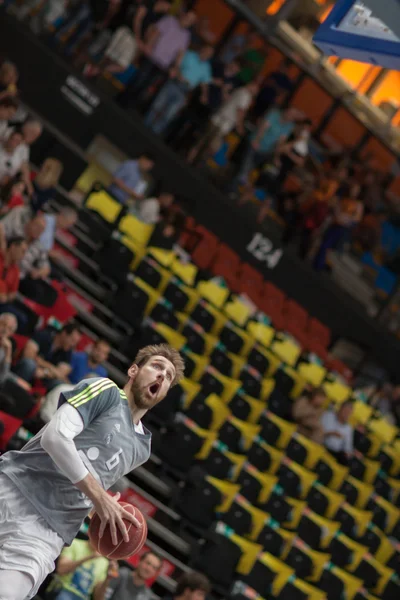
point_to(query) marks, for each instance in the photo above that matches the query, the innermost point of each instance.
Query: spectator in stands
(307, 412)
(10, 261)
(165, 46)
(150, 210)
(124, 584)
(80, 572)
(45, 183)
(194, 70)
(276, 86)
(237, 44)
(229, 117)
(8, 109)
(31, 130)
(273, 130)
(11, 159)
(8, 326)
(84, 363)
(48, 355)
(191, 586)
(66, 218)
(338, 433)
(9, 76)
(167, 232)
(202, 33)
(129, 182)
(252, 61)
(12, 195)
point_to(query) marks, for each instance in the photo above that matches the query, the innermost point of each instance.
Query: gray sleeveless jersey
(108, 445)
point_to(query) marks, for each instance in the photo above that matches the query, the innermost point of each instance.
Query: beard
(141, 397)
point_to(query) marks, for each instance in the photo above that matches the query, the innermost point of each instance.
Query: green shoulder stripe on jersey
(124, 396)
(93, 390)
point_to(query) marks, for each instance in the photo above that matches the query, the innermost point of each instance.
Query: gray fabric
(14, 223)
(4, 365)
(109, 446)
(124, 588)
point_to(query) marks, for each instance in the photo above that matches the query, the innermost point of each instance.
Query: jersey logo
(117, 427)
(112, 462)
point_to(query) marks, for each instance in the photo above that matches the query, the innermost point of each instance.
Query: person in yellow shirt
(79, 571)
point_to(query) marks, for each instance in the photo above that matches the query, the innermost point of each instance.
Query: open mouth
(154, 388)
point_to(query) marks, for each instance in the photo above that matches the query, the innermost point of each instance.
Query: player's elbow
(50, 438)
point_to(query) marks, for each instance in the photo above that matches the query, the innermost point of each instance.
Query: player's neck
(137, 413)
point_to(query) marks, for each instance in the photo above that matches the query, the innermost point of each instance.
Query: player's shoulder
(96, 386)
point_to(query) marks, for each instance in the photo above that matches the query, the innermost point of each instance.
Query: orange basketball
(104, 545)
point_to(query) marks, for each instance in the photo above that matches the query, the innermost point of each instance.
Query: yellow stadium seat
(308, 591)
(383, 429)
(254, 485)
(209, 317)
(361, 413)
(351, 585)
(164, 257)
(304, 451)
(324, 501)
(238, 362)
(297, 511)
(316, 531)
(190, 389)
(237, 311)
(137, 230)
(392, 513)
(248, 432)
(256, 409)
(298, 551)
(357, 492)
(264, 334)
(342, 546)
(265, 457)
(186, 272)
(312, 373)
(92, 175)
(286, 349)
(213, 292)
(267, 387)
(236, 340)
(102, 203)
(360, 518)
(172, 337)
(330, 473)
(200, 364)
(296, 488)
(390, 459)
(276, 431)
(337, 391)
(263, 360)
(218, 455)
(269, 573)
(233, 516)
(228, 489)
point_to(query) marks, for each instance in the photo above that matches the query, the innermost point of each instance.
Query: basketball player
(95, 438)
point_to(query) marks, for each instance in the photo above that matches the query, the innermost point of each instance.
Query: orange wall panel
(312, 99)
(344, 128)
(219, 14)
(394, 187)
(381, 157)
(389, 89)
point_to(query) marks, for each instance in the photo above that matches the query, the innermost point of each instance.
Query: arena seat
(226, 264)
(206, 247)
(272, 303)
(318, 338)
(222, 463)
(251, 282)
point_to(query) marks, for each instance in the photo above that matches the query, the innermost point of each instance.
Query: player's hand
(111, 513)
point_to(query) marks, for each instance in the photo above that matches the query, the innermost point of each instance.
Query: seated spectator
(8, 109)
(48, 355)
(129, 182)
(191, 586)
(165, 45)
(193, 70)
(167, 232)
(85, 363)
(12, 195)
(45, 182)
(276, 85)
(9, 76)
(237, 44)
(124, 584)
(338, 433)
(252, 60)
(80, 571)
(228, 118)
(10, 261)
(11, 158)
(307, 412)
(8, 326)
(31, 131)
(150, 210)
(66, 218)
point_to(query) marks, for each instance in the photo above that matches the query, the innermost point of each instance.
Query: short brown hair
(165, 350)
(193, 581)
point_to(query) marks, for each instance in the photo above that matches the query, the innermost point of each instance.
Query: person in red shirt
(10, 260)
(12, 195)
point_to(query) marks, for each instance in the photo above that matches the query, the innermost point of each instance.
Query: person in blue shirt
(129, 181)
(194, 70)
(85, 363)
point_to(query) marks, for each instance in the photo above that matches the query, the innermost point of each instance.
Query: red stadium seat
(227, 264)
(296, 319)
(62, 309)
(11, 426)
(251, 283)
(319, 338)
(334, 364)
(206, 248)
(188, 239)
(272, 303)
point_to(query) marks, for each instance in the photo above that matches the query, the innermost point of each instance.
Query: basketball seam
(128, 530)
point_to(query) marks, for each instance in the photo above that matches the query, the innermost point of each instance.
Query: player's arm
(78, 409)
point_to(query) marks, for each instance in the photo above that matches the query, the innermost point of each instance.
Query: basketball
(104, 545)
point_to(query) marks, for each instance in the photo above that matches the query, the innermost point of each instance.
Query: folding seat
(330, 473)
(384, 514)
(166, 410)
(203, 496)
(134, 301)
(210, 318)
(16, 400)
(237, 311)
(101, 214)
(296, 319)
(345, 552)
(226, 555)
(356, 492)
(195, 364)
(272, 303)
(318, 338)
(268, 574)
(205, 248)
(163, 313)
(390, 460)
(246, 408)
(335, 365)
(264, 361)
(213, 292)
(294, 479)
(207, 412)
(185, 271)
(262, 333)
(190, 237)
(316, 531)
(297, 589)
(182, 443)
(276, 431)
(137, 230)
(337, 392)
(336, 583)
(197, 340)
(225, 362)
(158, 333)
(251, 381)
(374, 575)
(286, 348)
(179, 295)
(280, 404)
(324, 501)
(285, 380)
(363, 469)
(264, 457)
(354, 522)
(388, 590)
(384, 487)
(213, 382)
(221, 463)
(388, 554)
(242, 516)
(237, 435)
(304, 451)
(235, 339)
(150, 271)
(373, 538)
(9, 426)
(115, 258)
(251, 283)
(254, 485)
(268, 533)
(312, 373)
(306, 563)
(226, 264)
(366, 443)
